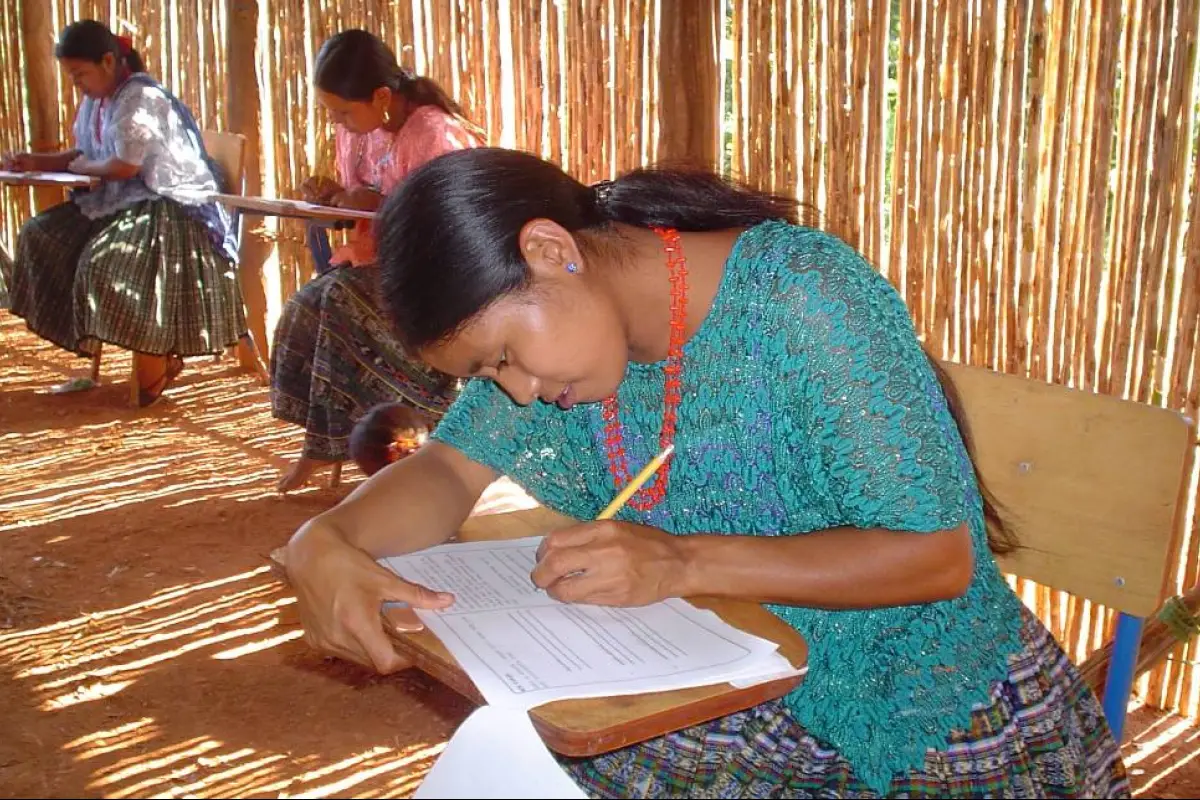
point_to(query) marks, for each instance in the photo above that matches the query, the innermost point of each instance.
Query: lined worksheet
(522, 648)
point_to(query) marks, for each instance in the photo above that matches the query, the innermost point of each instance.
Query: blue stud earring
(572, 267)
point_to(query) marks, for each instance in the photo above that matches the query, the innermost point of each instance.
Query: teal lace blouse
(808, 404)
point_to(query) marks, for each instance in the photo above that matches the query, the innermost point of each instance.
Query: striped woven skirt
(334, 358)
(1043, 735)
(147, 279)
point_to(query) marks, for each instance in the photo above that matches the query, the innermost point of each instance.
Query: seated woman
(334, 355)
(819, 469)
(137, 262)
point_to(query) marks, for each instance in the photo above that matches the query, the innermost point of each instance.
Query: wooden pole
(689, 82)
(40, 67)
(244, 118)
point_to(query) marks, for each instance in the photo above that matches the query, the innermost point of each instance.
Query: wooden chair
(228, 150)
(1092, 486)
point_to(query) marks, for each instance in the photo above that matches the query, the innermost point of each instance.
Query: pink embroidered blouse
(379, 160)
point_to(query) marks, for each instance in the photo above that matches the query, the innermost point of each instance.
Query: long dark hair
(448, 239)
(89, 40)
(436, 283)
(353, 64)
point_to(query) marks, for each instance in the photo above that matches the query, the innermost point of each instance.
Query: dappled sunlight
(254, 647)
(104, 742)
(1157, 746)
(346, 776)
(148, 648)
(94, 657)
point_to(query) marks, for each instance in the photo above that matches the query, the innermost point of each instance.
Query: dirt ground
(146, 650)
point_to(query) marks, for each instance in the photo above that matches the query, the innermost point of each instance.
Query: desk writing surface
(68, 180)
(274, 207)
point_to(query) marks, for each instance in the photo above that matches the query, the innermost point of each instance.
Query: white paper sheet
(522, 648)
(496, 753)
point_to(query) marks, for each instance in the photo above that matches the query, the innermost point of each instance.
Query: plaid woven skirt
(147, 278)
(334, 358)
(1043, 735)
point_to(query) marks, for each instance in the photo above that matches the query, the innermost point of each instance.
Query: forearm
(418, 502)
(54, 162)
(840, 568)
(112, 169)
(360, 199)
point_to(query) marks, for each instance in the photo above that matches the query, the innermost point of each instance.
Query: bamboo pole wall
(1040, 207)
(1026, 173)
(15, 204)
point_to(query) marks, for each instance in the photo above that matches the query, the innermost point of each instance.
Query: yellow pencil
(621, 499)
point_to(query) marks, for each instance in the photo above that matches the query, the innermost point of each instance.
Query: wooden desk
(598, 725)
(298, 209)
(66, 180)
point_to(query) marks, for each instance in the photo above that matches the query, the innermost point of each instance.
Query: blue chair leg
(319, 247)
(1119, 686)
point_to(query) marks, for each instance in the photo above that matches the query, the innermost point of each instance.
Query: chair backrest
(229, 151)
(1091, 484)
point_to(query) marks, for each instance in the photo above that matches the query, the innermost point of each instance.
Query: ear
(109, 62)
(548, 248)
(381, 98)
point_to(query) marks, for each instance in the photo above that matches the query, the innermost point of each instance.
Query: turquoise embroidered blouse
(808, 404)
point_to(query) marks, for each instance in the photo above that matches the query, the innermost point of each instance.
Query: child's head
(387, 433)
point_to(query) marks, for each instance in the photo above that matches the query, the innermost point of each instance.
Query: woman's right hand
(341, 591)
(319, 189)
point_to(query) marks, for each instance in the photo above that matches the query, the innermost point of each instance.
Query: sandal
(148, 397)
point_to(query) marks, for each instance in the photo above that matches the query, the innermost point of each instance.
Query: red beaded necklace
(652, 494)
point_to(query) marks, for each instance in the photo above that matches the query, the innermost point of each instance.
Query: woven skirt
(1043, 735)
(147, 278)
(5, 272)
(334, 358)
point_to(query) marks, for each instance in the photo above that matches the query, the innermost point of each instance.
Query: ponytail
(1000, 537)
(133, 60)
(422, 91)
(687, 200)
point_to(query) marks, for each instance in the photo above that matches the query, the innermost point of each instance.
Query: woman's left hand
(82, 165)
(610, 563)
(114, 169)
